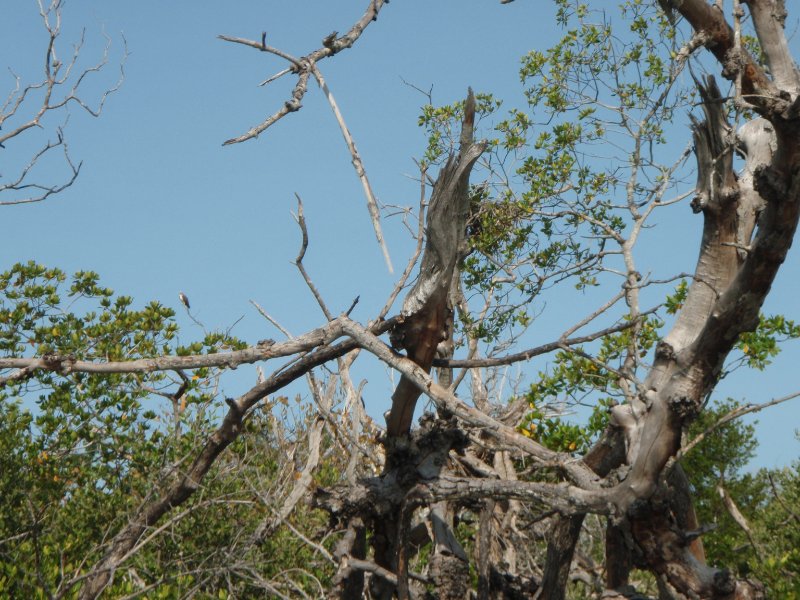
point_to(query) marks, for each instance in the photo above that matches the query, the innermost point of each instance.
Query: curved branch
(536, 350)
(426, 309)
(331, 45)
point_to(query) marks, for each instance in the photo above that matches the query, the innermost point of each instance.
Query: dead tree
(465, 458)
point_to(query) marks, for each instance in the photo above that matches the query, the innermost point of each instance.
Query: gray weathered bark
(734, 273)
(426, 309)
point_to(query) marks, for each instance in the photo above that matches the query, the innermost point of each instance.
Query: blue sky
(161, 206)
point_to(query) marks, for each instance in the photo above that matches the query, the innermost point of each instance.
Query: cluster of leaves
(549, 209)
(757, 347)
(778, 526)
(558, 219)
(578, 378)
(80, 453)
(768, 499)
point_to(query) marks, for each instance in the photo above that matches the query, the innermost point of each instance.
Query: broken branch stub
(426, 308)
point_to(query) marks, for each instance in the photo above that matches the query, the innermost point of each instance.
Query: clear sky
(161, 206)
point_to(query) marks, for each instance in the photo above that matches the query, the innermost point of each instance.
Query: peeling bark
(709, 20)
(379, 501)
(427, 321)
(732, 279)
(426, 309)
(748, 224)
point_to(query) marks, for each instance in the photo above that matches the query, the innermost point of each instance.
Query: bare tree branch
(358, 165)
(264, 350)
(425, 309)
(304, 67)
(734, 414)
(331, 45)
(27, 106)
(526, 355)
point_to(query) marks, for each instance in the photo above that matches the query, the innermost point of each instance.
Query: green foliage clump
(759, 346)
(778, 527)
(81, 453)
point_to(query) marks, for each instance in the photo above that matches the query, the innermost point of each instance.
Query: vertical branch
(426, 307)
(304, 477)
(353, 402)
(485, 532)
(449, 563)
(348, 583)
(606, 455)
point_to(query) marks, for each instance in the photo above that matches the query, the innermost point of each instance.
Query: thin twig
(537, 350)
(304, 67)
(739, 518)
(298, 262)
(730, 416)
(398, 287)
(358, 165)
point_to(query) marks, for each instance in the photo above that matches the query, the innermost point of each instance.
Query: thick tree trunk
(734, 273)
(733, 276)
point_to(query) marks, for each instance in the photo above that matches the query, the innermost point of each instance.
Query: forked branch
(27, 105)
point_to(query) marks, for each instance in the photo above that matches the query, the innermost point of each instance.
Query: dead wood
(426, 309)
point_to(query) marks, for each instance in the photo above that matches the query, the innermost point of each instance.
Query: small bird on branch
(184, 300)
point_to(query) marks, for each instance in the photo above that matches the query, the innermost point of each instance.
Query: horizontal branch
(536, 350)
(263, 47)
(264, 350)
(566, 499)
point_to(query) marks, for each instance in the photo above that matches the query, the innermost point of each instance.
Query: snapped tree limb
(425, 309)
